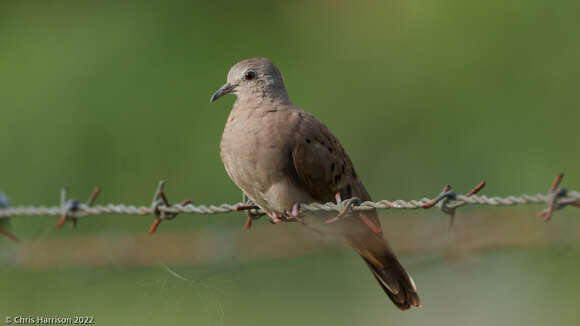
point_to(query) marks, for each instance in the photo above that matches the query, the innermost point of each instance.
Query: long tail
(392, 277)
(397, 284)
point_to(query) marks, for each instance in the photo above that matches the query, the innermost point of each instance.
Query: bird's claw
(294, 214)
(275, 218)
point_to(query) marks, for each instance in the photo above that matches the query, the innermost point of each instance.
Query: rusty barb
(70, 208)
(251, 209)
(447, 200)
(160, 201)
(557, 199)
(343, 206)
(4, 203)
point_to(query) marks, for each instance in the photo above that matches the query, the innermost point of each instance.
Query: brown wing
(322, 166)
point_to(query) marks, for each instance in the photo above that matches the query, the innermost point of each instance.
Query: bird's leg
(275, 218)
(294, 213)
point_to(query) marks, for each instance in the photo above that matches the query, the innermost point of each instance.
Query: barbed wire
(448, 201)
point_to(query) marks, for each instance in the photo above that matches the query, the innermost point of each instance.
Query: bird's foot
(294, 214)
(276, 218)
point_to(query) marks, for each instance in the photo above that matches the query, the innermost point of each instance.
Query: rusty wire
(448, 201)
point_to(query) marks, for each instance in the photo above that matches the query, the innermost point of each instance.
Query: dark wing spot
(353, 172)
(343, 169)
(308, 140)
(272, 111)
(332, 166)
(349, 191)
(330, 149)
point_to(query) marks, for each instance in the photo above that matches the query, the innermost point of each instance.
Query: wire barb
(159, 202)
(251, 209)
(447, 200)
(556, 199)
(71, 207)
(447, 195)
(343, 207)
(4, 203)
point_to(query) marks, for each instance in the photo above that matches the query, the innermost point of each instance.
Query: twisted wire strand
(85, 210)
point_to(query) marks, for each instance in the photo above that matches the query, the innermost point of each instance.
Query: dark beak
(226, 89)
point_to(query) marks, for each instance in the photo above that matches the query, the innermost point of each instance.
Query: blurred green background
(420, 93)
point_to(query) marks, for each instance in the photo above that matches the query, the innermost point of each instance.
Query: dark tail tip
(397, 284)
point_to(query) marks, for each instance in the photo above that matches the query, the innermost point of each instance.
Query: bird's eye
(249, 75)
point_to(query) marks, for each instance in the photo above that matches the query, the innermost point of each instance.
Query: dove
(281, 156)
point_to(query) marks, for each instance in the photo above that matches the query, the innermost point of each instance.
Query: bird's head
(253, 78)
